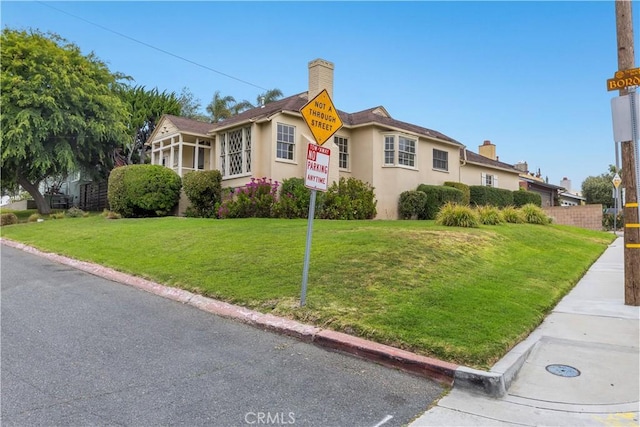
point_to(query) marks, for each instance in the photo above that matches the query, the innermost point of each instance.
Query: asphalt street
(81, 350)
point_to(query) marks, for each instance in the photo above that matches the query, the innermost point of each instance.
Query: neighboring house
(549, 193)
(271, 141)
(485, 168)
(571, 199)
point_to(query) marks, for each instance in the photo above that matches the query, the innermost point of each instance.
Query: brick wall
(586, 216)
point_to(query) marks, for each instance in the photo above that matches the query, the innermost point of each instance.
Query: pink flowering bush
(254, 200)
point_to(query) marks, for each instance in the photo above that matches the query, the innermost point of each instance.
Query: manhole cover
(563, 370)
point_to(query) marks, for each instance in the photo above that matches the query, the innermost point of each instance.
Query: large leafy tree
(146, 107)
(190, 105)
(60, 111)
(599, 189)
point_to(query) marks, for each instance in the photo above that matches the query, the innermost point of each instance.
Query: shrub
(254, 200)
(294, 198)
(75, 213)
(204, 191)
(8, 219)
(534, 214)
(57, 215)
(412, 205)
(438, 196)
(608, 220)
(34, 217)
(454, 215)
(522, 197)
(466, 193)
(349, 199)
(482, 195)
(143, 190)
(489, 215)
(512, 215)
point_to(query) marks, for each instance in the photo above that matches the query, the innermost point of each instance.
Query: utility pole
(624, 32)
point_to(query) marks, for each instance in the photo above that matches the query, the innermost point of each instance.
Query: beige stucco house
(271, 141)
(484, 168)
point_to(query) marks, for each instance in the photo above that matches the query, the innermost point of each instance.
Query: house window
(440, 160)
(235, 152)
(489, 180)
(389, 150)
(401, 154)
(200, 158)
(343, 152)
(406, 151)
(286, 144)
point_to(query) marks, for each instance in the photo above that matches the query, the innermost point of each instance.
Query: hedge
(412, 205)
(437, 196)
(143, 190)
(523, 197)
(462, 187)
(204, 191)
(490, 196)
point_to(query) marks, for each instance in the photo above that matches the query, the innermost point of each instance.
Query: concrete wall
(586, 216)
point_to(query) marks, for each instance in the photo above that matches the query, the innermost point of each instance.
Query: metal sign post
(307, 249)
(323, 121)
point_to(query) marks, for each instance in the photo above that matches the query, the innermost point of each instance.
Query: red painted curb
(438, 370)
(427, 367)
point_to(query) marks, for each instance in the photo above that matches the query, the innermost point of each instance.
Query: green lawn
(462, 295)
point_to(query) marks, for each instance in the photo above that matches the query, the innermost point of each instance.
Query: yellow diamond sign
(321, 117)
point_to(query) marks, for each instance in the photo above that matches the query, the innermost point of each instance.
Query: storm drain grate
(563, 370)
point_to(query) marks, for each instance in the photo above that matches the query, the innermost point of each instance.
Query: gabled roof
(187, 125)
(183, 124)
(477, 159)
(541, 184)
(377, 115)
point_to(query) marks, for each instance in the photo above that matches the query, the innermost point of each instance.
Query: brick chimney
(488, 150)
(320, 77)
(522, 166)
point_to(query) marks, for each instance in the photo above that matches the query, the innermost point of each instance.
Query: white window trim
(219, 140)
(494, 180)
(433, 159)
(348, 153)
(396, 150)
(294, 143)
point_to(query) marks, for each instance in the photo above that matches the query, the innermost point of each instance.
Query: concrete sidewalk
(594, 338)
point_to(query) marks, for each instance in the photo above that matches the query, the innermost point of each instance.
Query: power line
(152, 47)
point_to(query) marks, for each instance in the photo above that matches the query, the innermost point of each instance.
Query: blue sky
(529, 76)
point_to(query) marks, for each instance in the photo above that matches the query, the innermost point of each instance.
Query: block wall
(586, 216)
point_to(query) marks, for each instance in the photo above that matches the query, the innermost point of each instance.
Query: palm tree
(220, 107)
(269, 96)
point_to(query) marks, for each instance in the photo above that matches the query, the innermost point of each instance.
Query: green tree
(269, 96)
(220, 107)
(60, 111)
(190, 105)
(599, 189)
(223, 107)
(146, 107)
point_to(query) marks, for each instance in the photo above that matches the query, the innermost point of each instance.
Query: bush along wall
(204, 191)
(523, 197)
(437, 196)
(462, 187)
(490, 196)
(412, 205)
(143, 190)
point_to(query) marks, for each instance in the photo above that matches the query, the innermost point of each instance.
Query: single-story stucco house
(271, 141)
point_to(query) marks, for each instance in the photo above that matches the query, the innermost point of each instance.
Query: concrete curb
(494, 383)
